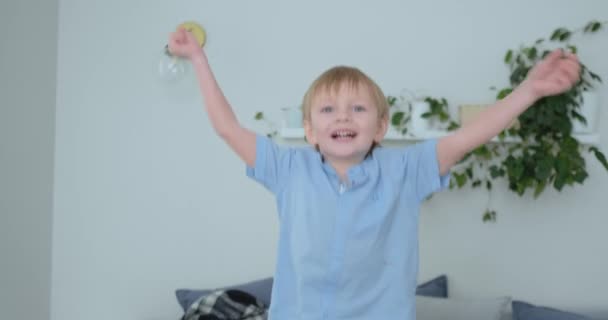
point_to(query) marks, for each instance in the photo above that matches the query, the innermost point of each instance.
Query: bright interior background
(139, 197)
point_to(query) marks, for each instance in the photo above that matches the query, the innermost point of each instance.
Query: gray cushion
(437, 287)
(262, 289)
(525, 311)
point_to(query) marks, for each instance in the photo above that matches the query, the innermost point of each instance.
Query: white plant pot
(588, 109)
(421, 126)
(292, 117)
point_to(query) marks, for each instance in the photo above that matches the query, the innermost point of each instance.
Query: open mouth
(343, 135)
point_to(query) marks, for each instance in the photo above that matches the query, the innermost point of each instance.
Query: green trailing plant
(546, 154)
(401, 113)
(438, 111)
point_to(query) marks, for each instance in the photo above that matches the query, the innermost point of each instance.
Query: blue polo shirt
(347, 250)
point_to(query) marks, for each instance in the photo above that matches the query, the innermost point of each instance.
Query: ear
(310, 137)
(382, 128)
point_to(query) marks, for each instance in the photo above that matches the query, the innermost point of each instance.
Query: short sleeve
(423, 167)
(272, 163)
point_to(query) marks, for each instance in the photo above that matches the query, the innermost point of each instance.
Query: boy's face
(344, 124)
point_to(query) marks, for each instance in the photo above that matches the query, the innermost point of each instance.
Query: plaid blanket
(227, 305)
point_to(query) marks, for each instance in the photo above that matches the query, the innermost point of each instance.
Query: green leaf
(572, 49)
(503, 93)
(483, 152)
(520, 188)
(555, 35)
(453, 126)
(588, 27)
(391, 100)
(559, 183)
(592, 26)
(397, 118)
(509, 56)
(517, 171)
(578, 117)
(519, 74)
(540, 187)
(600, 157)
(488, 185)
(595, 77)
(476, 183)
(259, 116)
(580, 176)
(461, 179)
(543, 169)
(496, 172)
(469, 172)
(489, 216)
(561, 164)
(565, 36)
(558, 34)
(532, 53)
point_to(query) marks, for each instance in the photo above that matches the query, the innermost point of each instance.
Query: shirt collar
(356, 174)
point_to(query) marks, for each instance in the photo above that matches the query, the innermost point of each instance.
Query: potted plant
(400, 113)
(424, 115)
(547, 153)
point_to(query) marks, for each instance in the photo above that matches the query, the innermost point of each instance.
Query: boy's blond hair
(334, 78)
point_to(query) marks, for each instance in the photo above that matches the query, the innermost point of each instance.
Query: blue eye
(327, 109)
(359, 108)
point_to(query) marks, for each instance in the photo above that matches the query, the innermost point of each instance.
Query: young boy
(348, 211)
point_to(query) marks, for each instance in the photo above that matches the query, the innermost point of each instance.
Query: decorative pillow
(226, 304)
(429, 308)
(262, 289)
(437, 287)
(525, 311)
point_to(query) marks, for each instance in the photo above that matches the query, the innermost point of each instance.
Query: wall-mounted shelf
(394, 135)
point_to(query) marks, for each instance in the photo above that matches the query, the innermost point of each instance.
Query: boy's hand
(556, 73)
(183, 44)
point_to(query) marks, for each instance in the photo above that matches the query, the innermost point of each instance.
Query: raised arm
(555, 74)
(223, 119)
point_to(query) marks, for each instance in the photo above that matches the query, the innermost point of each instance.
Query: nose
(343, 115)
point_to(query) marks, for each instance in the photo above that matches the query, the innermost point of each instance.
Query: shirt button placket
(336, 253)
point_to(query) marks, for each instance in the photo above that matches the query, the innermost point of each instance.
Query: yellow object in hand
(196, 30)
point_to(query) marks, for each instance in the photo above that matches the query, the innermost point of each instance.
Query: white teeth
(344, 134)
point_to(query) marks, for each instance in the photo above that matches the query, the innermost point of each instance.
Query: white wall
(28, 55)
(148, 199)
